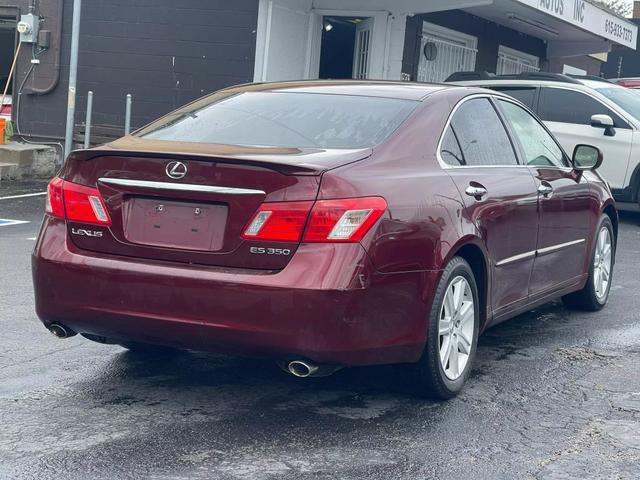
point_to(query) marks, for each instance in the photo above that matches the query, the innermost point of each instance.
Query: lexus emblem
(176, 170)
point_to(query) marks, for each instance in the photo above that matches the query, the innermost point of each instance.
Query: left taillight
(75, 202)
(55, 203)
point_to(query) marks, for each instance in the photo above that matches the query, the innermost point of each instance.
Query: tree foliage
(621, 7)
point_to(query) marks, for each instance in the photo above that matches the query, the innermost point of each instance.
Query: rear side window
(526, 95)
(568, 106)
(286, 119)
(482, 138)
(450, 150)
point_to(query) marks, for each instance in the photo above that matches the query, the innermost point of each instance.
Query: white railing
(449, 58)
(507, 66)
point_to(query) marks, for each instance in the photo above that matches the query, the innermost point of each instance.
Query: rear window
(285, 119)
(526, 95)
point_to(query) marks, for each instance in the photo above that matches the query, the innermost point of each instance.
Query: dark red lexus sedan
(326, 224)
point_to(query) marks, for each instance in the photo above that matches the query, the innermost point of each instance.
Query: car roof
(590, 85)
(600, 84)
(579, 83)
(367, 88)
(585, 85)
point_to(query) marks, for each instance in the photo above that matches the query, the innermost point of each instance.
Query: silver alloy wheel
(602, 264)
(455, 327)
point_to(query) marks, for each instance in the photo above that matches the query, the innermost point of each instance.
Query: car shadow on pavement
(184, 380)
(211, 374)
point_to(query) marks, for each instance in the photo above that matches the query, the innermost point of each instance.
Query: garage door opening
(345, 50)
(7, 52)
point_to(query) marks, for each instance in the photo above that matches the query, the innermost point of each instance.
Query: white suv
(581, 110)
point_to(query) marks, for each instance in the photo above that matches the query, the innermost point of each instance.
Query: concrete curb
(22, 160)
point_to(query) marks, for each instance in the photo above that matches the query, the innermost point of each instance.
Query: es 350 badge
(270, 251)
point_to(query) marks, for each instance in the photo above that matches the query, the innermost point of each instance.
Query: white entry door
(362, 49)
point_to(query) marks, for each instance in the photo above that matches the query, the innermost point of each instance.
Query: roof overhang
(570, 27)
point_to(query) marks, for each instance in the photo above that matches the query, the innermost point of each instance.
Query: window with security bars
(444, 51)
(512, 61)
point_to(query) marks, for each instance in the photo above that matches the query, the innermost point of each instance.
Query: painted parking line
(32, 238)
(6, 222)
(26, 195)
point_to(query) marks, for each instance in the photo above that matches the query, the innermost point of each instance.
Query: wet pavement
(554, 394)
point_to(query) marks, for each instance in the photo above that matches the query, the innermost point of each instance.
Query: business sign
(589, 17)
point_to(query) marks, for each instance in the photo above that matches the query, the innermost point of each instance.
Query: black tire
(587, 299)
(428, 374)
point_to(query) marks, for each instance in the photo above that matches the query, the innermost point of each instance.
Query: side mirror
(586, 157)
(604, 121)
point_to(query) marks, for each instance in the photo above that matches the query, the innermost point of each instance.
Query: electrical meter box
(28, 28)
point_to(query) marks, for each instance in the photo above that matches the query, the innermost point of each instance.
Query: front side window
(539, 147)
(569, 106)
(287, 119)
(482, 138)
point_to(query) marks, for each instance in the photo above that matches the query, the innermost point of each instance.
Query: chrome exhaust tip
(302, 368)
(61, 331)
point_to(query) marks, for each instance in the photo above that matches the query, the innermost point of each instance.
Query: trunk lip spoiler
(189, 187)
(265, 161)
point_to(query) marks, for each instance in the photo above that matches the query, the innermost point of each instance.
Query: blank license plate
(170, 224)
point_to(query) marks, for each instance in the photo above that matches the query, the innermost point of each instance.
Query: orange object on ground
(3, 126)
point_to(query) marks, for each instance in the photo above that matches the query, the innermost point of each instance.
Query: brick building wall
(165, 53)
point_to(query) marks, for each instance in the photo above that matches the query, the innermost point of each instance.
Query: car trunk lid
(190, 203)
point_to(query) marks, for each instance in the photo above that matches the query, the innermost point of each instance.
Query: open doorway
(345, 49)
(7, 52)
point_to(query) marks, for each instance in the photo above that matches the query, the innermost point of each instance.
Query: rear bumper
(328, 304)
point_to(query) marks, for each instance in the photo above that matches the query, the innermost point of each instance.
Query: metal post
(619, 67)
(87, 122)
(73, 75)
(127, 115)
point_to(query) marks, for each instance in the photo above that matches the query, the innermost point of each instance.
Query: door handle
(476, 191)
(545, 190)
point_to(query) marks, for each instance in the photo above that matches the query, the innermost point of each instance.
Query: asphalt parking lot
(554, 394)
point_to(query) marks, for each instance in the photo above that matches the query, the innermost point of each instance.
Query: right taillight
(75, 202)
(325, 221)
(345, 220)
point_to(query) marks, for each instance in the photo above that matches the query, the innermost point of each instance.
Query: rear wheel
(452, 334)
(595, 293)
